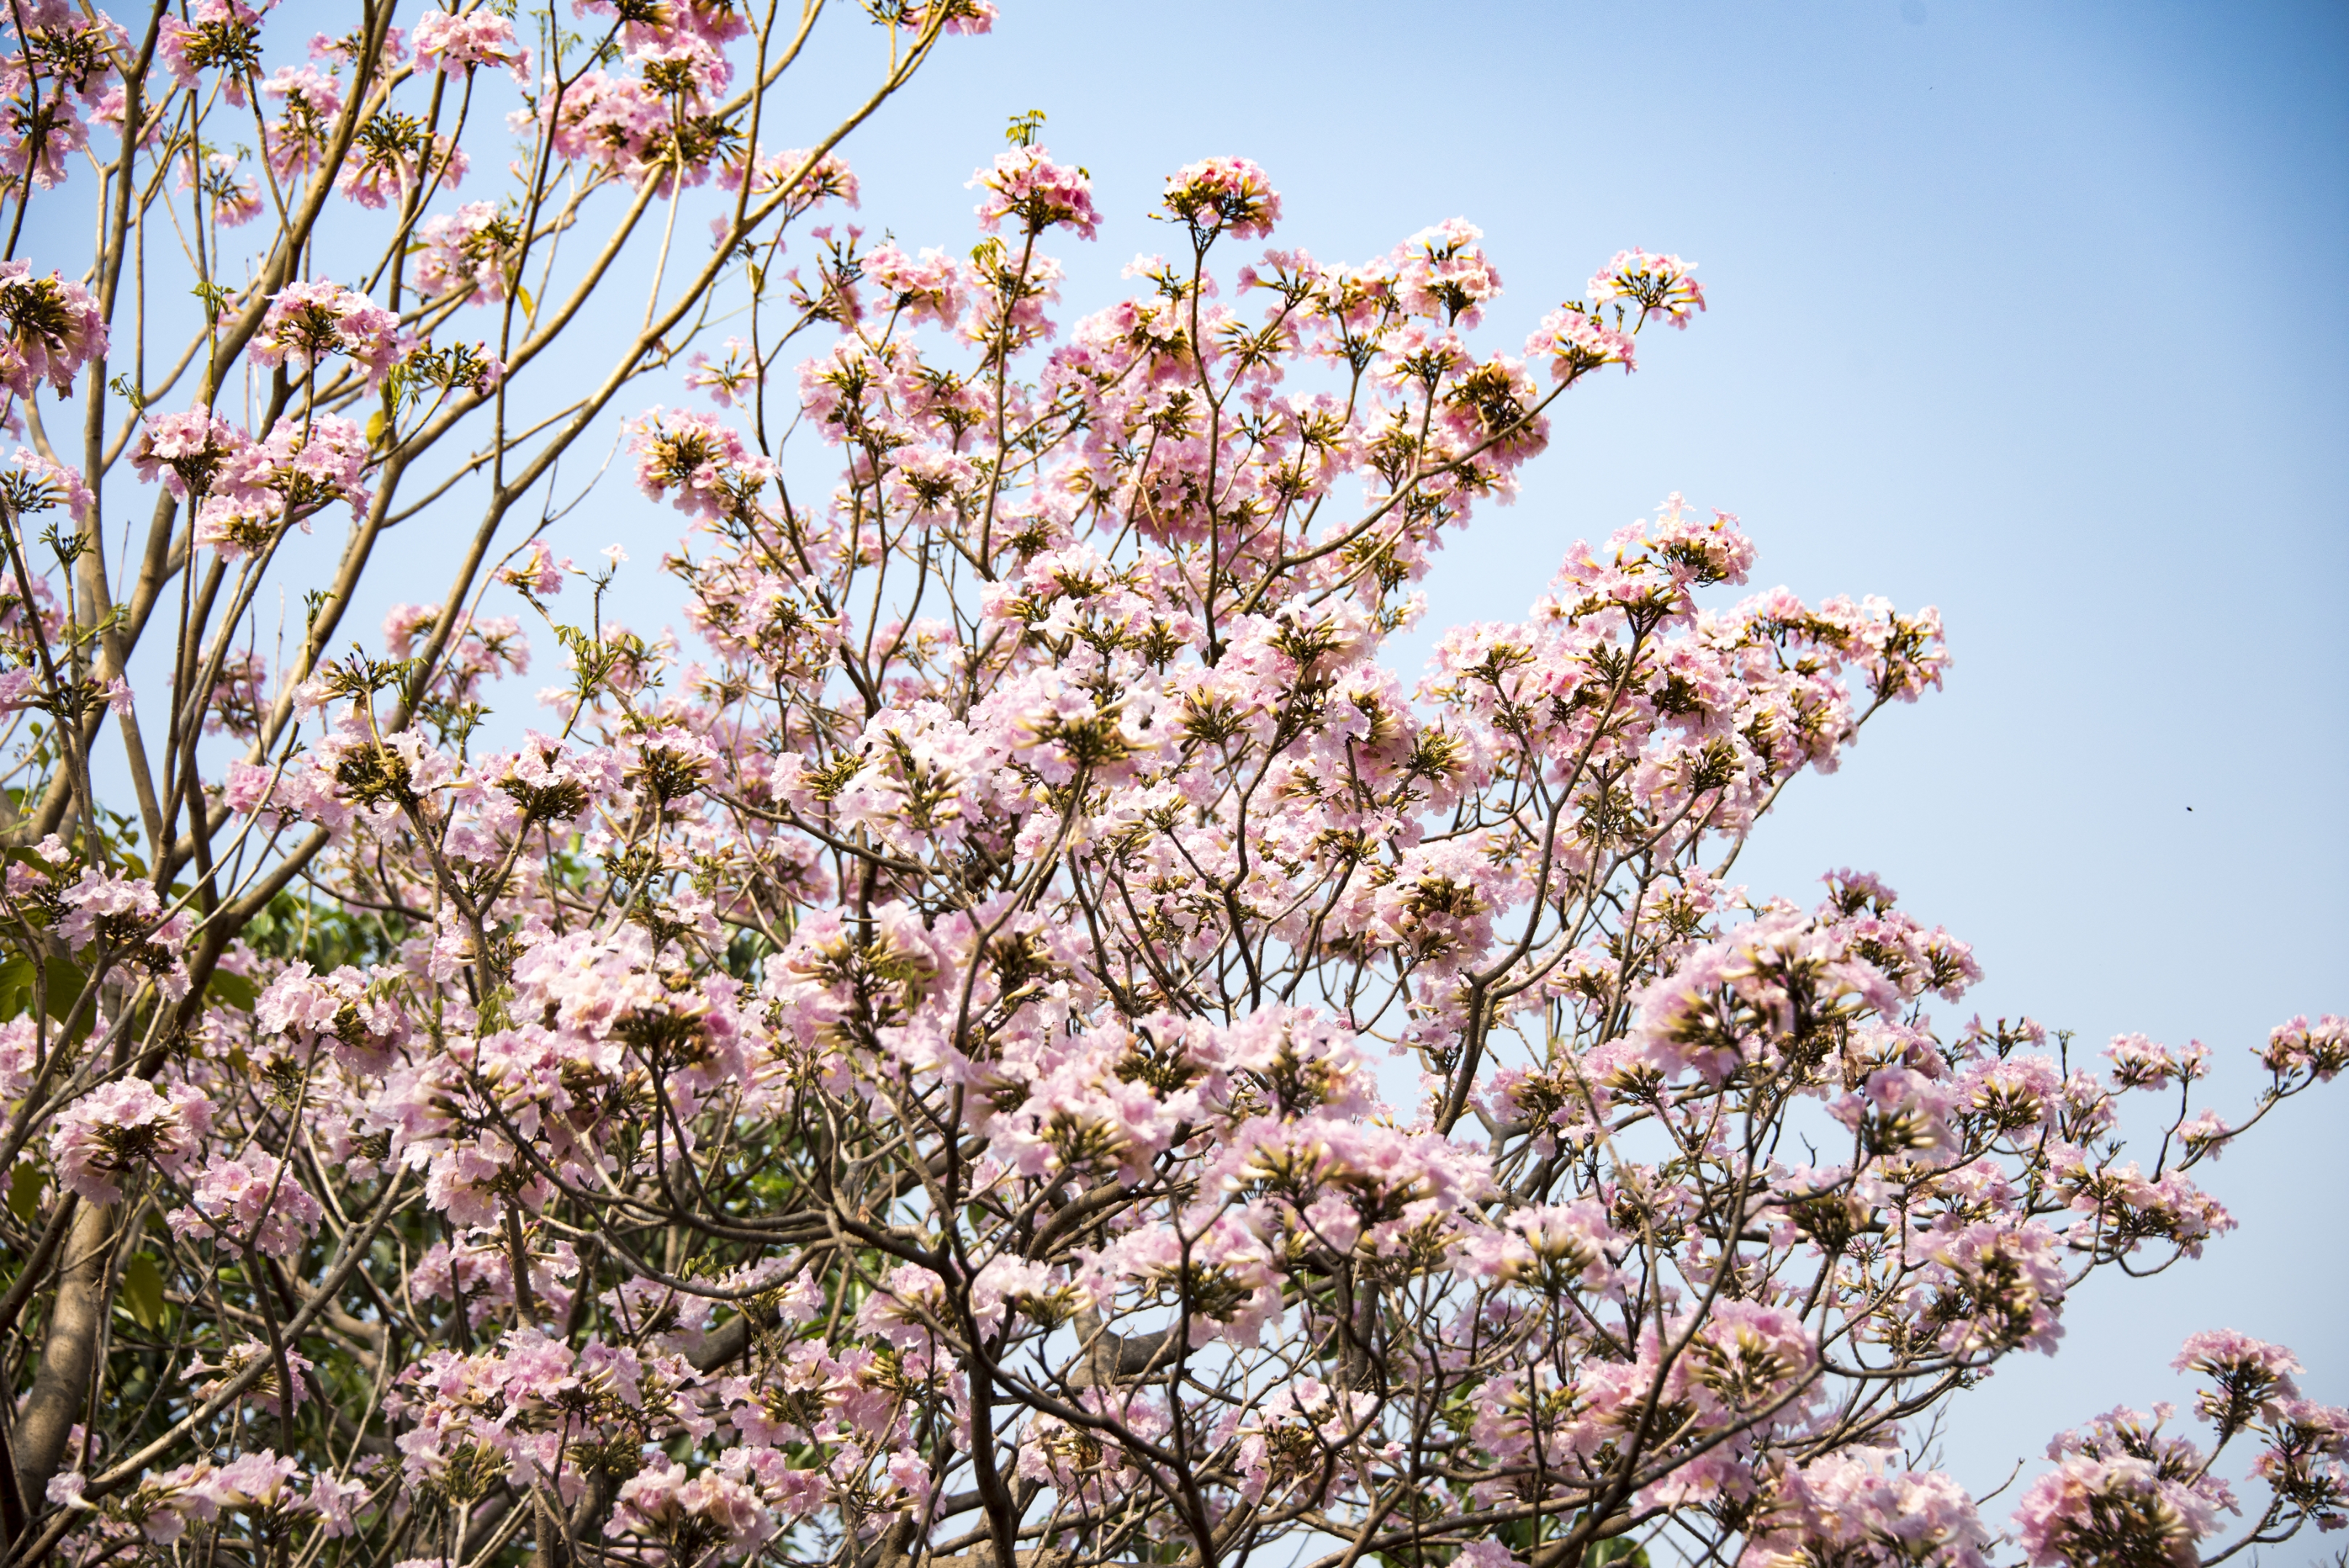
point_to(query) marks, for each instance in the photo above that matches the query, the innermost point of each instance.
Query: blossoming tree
(895, 1080)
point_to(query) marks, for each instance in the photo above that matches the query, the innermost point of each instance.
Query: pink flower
(711, 22)
(658, 1499)
(2139, 1063)
(2254, 1378)
(247, 786)
(296, 140)
(1443, 274)
(250, 1201)
(60, 134)
(308, 321)
(536, 571)
(188, 450)
(2320, 1050)
(1660, 286)
(221, 34)
(309, 464)
(234, 199)
(2121, 1493)
(1574, 342)
(1026, 184)
(328, 49)
(468, 251)
(928, 287)
(120, 1126)
(258, 1477)
(1854, 1507)
(38, 485)
(603, 120)
(52, 328)
(1221, 196)
(403, 156)
(712, 472)
(728, 380)
(454, 44)
(108, 907)
(305, 465)
(826, 179)
(968, 17)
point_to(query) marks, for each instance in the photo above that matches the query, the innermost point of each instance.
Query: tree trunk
(55, 1403)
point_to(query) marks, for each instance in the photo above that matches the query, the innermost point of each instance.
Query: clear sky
(2033, 312)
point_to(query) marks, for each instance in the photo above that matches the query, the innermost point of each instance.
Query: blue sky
(2033, 312)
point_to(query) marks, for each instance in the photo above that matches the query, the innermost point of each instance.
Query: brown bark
(68, 1353)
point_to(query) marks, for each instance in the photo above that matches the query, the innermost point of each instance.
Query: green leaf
(234, 989)
(529, 306)
(16, 985)
(1620, 1550)
(17, 975)
(142, 1292)
(375, 428)
(25, 1192)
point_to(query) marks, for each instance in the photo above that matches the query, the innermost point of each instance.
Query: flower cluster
(308, 321)
(49, 328)
(117, 1131)
(453, 44)
(1028, 187)
(245, 491)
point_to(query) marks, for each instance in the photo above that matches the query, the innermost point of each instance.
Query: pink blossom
(52, 328)
(388, 168)
(38, 485)
(2321, 1050)
(711, 22)
(927, 287)
(1855, 1507)
(455, 44)
(825, 179)
(1026, 184)
(254, 1201)
(108, 907)
(1574, 342)
(328, 49)
(968, 16)
(308, 321)
(220, 35)
(711, 470)
(600, 118)
(656, 1499)
(48, 162)
(247, 786)
(2121, 1492)
(188, 450)
(1443, 272)
(1659, 285)
(536, 570)
(469, 250)
(296, 140)
(122, 1126)
(1221, 196)
(729, 380)
(2139, 1063)
(257, 1476)
(2254, 1378)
